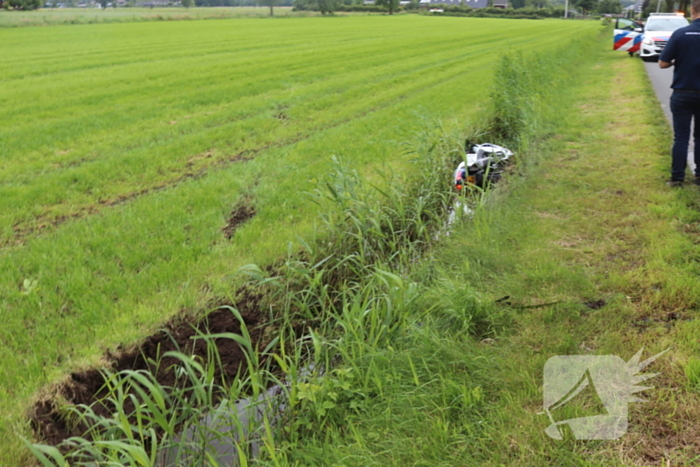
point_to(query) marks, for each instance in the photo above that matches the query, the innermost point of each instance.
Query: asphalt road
(661, 80)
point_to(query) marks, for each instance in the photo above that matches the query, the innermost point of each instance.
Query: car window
(666, 24)
(625, 24)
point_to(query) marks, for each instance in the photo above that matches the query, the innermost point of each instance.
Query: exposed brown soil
(86, 387)
(240, 214)
(595, 304)
(663, 431)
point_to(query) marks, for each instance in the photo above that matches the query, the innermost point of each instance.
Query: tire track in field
(324, 86)
(354, 60)
(43, 222)
(23, 232)
(298, 72)
(293, 70)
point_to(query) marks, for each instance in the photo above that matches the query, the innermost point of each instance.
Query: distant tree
(301, 5)
(609, 7)
(393, 5)
(327, 6)
(24, 4)
(271, 3)
(586, 6)
(664, 6)
(187, 3)
(537, 3)
(645, 5)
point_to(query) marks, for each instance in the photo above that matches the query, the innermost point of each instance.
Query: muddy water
(223, 431)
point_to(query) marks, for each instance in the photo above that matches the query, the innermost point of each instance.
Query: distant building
(633, 10)
(500, 4)
(153, 3)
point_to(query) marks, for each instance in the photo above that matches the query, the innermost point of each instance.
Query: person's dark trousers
(684, 106)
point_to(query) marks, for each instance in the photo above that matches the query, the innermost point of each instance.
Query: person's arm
(668, 55)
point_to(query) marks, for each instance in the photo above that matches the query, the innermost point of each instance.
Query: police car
(649, 39)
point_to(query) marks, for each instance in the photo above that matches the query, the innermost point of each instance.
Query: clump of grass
(457, 308)
(692, 372)
(523, 84)
(390, 221)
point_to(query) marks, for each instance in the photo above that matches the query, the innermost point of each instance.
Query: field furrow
(251, 124)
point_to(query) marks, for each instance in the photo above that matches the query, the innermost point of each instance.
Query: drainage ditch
(221, 430)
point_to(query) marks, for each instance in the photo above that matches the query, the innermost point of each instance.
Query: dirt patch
(595, 304)
(199, 158)
(85, 387)
(241, 213)
(657, 439)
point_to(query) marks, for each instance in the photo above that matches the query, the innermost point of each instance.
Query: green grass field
(431, 348)
(124, 148)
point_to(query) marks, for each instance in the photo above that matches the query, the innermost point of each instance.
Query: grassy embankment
(431, 366)
(588, 221)
(124, 148)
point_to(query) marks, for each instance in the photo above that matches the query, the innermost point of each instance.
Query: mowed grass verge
(595, 221)
(124, 147)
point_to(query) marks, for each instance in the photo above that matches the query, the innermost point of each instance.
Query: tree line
(550, 8)
(20, 4)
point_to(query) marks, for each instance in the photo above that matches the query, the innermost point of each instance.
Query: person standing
(683, 53)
